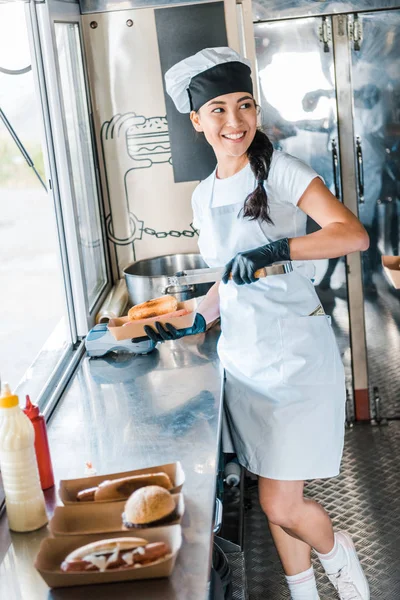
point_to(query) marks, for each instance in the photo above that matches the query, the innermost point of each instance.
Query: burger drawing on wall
(148, 141)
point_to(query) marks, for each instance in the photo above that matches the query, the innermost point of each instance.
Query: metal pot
(148, 278)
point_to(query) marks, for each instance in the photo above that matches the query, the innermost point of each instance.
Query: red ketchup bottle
(41, 444)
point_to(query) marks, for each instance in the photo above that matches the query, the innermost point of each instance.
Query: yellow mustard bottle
(25, 504)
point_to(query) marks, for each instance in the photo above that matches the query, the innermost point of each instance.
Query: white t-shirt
(229, 189)
(288, 178)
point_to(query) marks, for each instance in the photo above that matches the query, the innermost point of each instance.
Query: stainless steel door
(298, 100)
(375, 78)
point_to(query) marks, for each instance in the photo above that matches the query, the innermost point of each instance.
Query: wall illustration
(148, 141)
(136, 142)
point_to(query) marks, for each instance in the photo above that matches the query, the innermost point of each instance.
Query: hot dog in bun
(121, 489)
(115, 554)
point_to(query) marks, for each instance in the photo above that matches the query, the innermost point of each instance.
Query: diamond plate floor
(364, 500)
(239, 585)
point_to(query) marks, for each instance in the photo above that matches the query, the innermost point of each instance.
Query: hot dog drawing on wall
(138, 175)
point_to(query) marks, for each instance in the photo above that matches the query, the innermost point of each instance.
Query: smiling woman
(285, 387)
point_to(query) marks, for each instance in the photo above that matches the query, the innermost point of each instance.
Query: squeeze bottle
(24, 498)
(41, 444)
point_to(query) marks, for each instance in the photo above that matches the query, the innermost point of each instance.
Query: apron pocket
(309, 351)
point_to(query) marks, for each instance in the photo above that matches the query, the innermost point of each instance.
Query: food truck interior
(120, 167)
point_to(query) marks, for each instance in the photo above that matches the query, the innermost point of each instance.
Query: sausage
(152, 552)
(86, 495)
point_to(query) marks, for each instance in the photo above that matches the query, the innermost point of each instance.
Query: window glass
(80, 157)
(32, 304)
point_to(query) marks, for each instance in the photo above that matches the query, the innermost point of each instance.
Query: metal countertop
(126, 412)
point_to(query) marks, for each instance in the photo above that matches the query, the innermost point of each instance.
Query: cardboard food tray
(70, 487)
(391, 265)
(53, 551)
(135, 329)
(92, 518)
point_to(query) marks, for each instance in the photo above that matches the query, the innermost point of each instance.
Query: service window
(54, 268)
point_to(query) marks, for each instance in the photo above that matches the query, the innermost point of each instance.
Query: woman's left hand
(169, 332)
(245, 264)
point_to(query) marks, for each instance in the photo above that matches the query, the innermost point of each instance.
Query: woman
(285, 391)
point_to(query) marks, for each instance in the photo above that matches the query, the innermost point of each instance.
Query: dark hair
(260, 155)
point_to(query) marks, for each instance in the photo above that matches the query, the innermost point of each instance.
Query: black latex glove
(169, 332)
(245, 264)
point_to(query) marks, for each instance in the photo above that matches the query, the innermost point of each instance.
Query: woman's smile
(235, 137)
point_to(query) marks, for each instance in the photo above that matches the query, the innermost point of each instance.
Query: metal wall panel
(267, 10)
(358, 72)
(375, 73)
(298, 102)
(262, 9)
(348, 175)
(98, 6)
(148, 213)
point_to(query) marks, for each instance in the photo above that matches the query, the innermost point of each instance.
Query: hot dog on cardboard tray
(115, 554)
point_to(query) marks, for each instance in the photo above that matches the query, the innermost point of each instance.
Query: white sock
(303, 585)
(335, 560)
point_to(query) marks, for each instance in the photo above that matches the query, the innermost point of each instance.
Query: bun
(115, 554)
(153, 308)
(151, 505)
(121, 489)
(177, 313)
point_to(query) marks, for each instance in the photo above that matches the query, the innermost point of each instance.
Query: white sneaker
(350, 582)
(314, 597)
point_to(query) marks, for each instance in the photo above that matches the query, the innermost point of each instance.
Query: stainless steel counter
(124, 413)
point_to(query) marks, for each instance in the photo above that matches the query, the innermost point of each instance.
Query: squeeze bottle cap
(7, 398)
(31, 410)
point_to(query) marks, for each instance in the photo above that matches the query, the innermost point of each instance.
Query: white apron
(284, 406)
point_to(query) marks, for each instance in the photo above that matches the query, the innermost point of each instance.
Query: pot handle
(186, 288)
